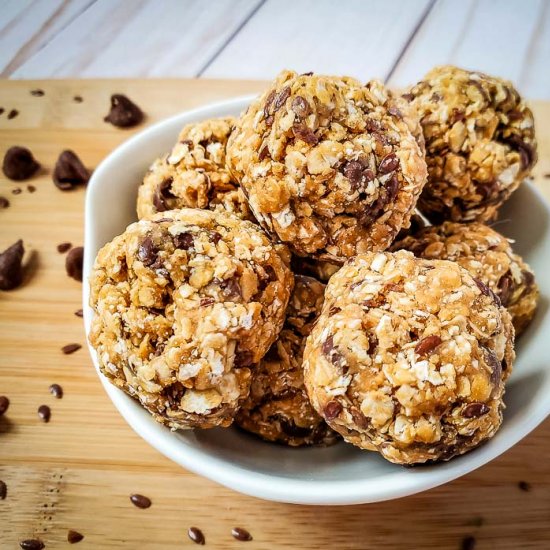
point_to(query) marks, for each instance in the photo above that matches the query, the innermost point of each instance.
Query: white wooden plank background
(397, 40)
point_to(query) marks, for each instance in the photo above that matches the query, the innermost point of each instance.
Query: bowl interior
(341, 474)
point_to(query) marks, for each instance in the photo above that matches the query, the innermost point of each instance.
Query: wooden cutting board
(77, 471)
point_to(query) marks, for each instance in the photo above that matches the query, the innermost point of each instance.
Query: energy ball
(278, 408)
(330, 166)
(480, 143)
(185, 303)
(488, 257)
(193, 174)
(407, 356)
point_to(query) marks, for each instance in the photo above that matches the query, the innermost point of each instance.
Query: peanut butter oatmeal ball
(480, 143)
(330, 166)
(184, 304)
(407, 357)
(278, 408)
(193, 174)
(489, 258)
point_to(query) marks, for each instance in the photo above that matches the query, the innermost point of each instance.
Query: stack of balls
(284, 274)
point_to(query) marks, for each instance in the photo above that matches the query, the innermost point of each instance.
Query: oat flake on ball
(184, 304)
(330, 166)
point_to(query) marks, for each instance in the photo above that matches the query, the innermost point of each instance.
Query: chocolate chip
(196, 535)
(359, 418)
(78, 99)
(215, 237)
(408, 97)
(243, 358)
(300, 106)
(44, 413)
(231, 288)
(2, 110)
(353, 170)
(496, 366)
(526, 151)
(388, 164)
(74, 263)
(334, 310)
(331, 353)
(184, 241)
(524, 486)
(269, 120)
(474, 410)
(281, 98)
(17, 190)
(332, 410)
(4, 404)
(69, 171)
(264, 151)
(11, 267)
(4, 203)
(306, 134)
(206, 302)
(37, 93)
(241, 534)
(32, 544)
(31, 188)
(505, 286)
(528, 278)
(392, 187)
(70, 348)
(468, 543)
(394, 111)
(79, 313)
(140, 501)
(147, 252)
(63, 247)
(12, 114)
(163, 193)
(427, 345)
(124, 113)
(269, 103)
(56, 390)
(3, 490)
(74, 536)
(19, 163)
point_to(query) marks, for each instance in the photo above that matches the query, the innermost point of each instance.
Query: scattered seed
(37, 93)
(4, 203)
(196, 535)
(17, 190)
(524, 486)
(31, 188)
(140, 501)
(241, 534)
(79, 313)
(3, 490)
(78, 99)
(44, 413)
(74, 263)
(32, 544)
(70, 348)
(12, 114)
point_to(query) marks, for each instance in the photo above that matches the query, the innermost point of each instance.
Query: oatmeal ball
(407, 357)
(193, 174)
(480, 143)
(318, 269)
(330, 166)
(489, 258)
(278, 408)
(184, 304)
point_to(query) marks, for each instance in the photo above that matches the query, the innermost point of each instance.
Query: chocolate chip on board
(12, 114)
(17, 190)
(56, 390)
(74, 536)
(69, 171)
(63, 247)
(4, 404)
(11, 267)
(19, 163)
(124, 113)
(4, 203)
(74, 262)
(79, 313)
(3, 490)
(37, 93)
(44, 413)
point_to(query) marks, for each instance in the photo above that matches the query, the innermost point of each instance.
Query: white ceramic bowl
(341, 474)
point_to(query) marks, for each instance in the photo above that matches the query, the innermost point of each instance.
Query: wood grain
(78, 471)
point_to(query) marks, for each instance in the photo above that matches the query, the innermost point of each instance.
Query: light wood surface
(77, 471)
(395, 40)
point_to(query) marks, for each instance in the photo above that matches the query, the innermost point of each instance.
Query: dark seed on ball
(475, 410)
(332, 410)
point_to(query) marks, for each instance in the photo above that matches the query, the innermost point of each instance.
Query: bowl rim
(401, 483)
